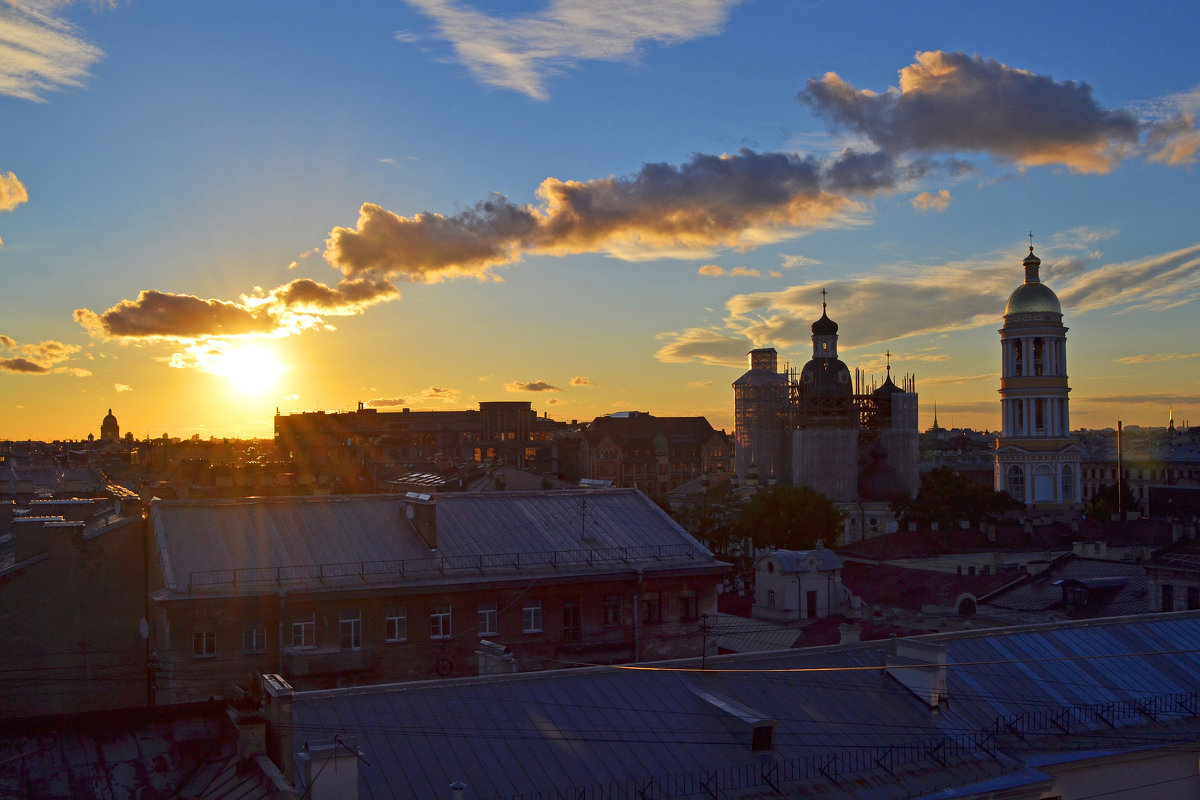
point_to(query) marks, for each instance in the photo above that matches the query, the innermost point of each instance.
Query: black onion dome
(824, 326)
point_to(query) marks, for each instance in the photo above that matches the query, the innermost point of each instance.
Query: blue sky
(208, 211)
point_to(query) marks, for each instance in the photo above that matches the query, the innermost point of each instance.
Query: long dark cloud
(22, 365)
(38, 358)
(532, 386)
(955, 103)
(737, 200)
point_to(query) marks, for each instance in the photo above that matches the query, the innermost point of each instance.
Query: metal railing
(369, 571)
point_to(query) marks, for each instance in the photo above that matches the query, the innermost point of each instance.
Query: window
(651, 608)
(688, 606)
(770, 598)
(1168, 597)
(204, 643)
(1068, 483)
(395, 624)
(811, 604)
(572, 627)
(350, 629)
(531, 617)
(612, 609)
(1015, 482)
(488, 623)
(254, 638)
(762, 738)
(1193, 598)
(304, 630)
(439, 622)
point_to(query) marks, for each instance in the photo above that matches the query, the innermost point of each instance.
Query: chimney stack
(421, 512)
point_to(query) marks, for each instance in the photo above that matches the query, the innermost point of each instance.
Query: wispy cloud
(792, 262)
(40, 51)
(581, 380)
(122, 387)
(1154, 358)
(522, 53)
(532, 386)
(12, 192)
(425, 396)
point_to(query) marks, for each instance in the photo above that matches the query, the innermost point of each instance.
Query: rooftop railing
(374, 571)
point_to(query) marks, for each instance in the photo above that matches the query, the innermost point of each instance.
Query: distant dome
(1033, 298)
(108, 418)
(824, 326)
(888, 388)
(826, 377)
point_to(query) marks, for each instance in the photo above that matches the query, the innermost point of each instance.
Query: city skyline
(208, 216)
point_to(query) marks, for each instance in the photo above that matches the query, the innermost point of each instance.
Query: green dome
(1033, 298)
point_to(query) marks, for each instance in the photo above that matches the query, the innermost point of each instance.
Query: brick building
(336, 591)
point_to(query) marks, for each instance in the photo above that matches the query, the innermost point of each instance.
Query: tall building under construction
(824, 427)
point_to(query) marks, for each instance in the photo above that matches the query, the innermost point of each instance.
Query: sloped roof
(324, 541)
(1044, 591)
(842, 727)
(800, 560)
(905, 587)
(641, 429)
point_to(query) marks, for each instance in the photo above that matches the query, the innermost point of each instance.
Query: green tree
(1103, 504)
(711, 520)
(945, 497)
(789, 518)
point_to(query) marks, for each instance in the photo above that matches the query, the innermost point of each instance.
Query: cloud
(1155, 358)
(12, 192)
(704, 346)
(928, 201)
(904, 299)
(122, 387)
(699, 384)
(792, 262)
(1138, 399)
(745, 272)
(955, 103)
(710, 271)
(22, 365)
(38, 358)
(533, 386)
(40, 51)
(580, 380)
(554, 401)
(299, 305)
(433, 393)
(741, 200)
(522, 52)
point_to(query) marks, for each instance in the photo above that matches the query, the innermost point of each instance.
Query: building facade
(340, 591)
(1037, 460)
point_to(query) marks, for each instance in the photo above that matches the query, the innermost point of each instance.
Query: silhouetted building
(110, 431)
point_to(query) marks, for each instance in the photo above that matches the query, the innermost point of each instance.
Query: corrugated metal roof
(238, 544)
(850, 730)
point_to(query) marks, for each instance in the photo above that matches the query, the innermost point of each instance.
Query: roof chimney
(330, 769)
(495, 659)
(921, 667)
(851, 633)
(421, 512)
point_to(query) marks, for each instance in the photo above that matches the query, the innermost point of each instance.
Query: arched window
(1068, 483)
(1015, 482)
(1043, 484)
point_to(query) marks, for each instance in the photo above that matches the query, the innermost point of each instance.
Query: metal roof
(843, 726)
(252, 544)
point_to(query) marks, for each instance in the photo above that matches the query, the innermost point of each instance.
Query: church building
(1037, 461)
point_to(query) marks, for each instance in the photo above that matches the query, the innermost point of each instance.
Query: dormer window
(762, 738)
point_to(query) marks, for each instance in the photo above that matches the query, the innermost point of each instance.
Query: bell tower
(1037, 461)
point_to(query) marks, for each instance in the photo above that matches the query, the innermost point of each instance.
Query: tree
(711, 520)
(1103, 504)
(945, 497)
(789, 518)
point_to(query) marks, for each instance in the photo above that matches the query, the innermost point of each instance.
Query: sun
(249, 369)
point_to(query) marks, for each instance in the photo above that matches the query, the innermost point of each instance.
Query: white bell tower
(1037, 461)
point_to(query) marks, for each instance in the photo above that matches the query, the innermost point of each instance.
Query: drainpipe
(279, 649)
(637, 617)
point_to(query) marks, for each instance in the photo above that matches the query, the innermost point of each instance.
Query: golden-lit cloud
(12, 192)
(40, 51)
(532, 386)
(122, 387)
(956, 103)
(710, 271)
(1156, 358)
(423, 397)
(299, 305)
(929, 201)
(522, 52)
(739, 201)
(581, 380)
(792, 262)
(905, 300)
(38, 358)
(745, 272)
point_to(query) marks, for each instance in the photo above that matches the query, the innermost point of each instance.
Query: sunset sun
(248, 369)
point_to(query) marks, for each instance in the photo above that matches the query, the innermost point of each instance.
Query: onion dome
(826, 377)
(824, 326)
(1033, 296)
(888, 388)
